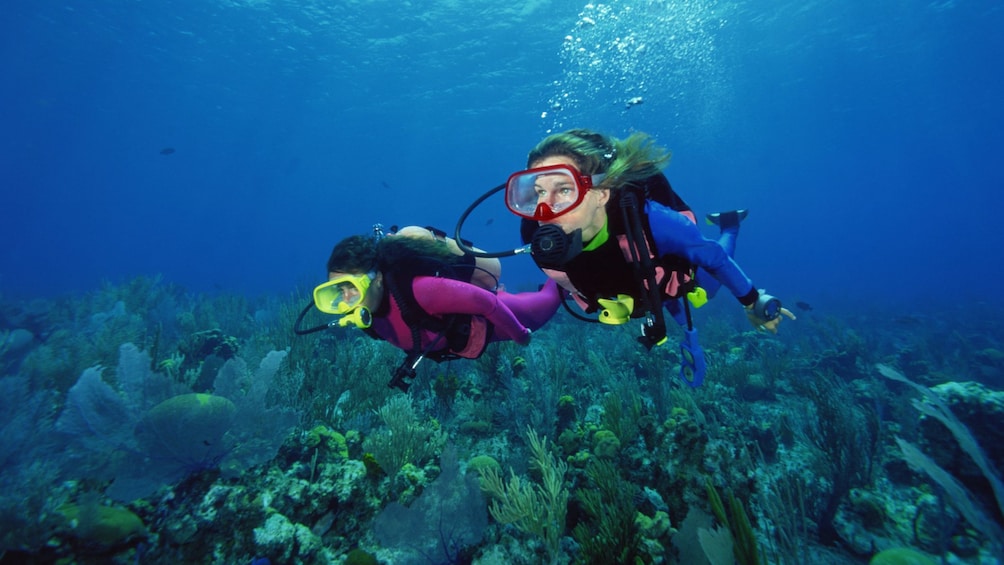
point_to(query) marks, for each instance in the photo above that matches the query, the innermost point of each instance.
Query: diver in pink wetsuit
(421, 294)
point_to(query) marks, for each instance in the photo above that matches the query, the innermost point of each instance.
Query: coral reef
(143, 424)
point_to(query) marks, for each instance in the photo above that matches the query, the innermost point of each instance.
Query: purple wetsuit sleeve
(441, 296)
(534, 309)
(675, 234)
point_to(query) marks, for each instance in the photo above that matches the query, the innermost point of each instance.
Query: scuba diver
(600, 218)
(416, 289)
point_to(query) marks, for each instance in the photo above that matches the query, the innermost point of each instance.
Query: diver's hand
(526, 338)
(767, 325)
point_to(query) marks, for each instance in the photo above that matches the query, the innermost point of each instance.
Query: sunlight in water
(622, 55)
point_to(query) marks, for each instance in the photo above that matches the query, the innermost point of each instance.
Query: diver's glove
(767, 312)
(526, 338)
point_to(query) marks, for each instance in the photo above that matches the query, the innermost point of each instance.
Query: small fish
(803, 305)
(908, 320)
(384, 184)
(167, 151)
(490, 221)
(633, 102)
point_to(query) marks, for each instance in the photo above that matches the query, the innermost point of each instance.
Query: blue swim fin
(692, 364)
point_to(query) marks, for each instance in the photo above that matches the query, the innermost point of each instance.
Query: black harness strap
(406, 371)
(654, 331)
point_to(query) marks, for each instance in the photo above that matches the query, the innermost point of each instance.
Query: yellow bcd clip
(698, 297)
(616, 311)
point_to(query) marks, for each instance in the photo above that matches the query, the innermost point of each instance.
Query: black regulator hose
(484, 254)
(299, 320)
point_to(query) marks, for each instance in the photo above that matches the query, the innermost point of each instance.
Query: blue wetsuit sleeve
(675, 234)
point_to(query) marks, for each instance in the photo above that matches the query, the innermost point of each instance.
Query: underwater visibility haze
(174, 175)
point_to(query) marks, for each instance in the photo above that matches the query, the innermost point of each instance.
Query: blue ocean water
(864, 138)
(224, 146)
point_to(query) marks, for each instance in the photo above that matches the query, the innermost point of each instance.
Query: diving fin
(692, 364)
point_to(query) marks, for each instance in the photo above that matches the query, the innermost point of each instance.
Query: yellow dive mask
(343, 296)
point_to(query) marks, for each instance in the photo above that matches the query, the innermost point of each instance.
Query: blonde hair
(623, 161)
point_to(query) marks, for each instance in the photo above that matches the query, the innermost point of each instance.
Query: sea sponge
(332, 441)
(869, 506)
(481, 463)
(107, 525)
(566, 412)
(360, 557)
(901, 556)
(606, 444)
(189, 430)
(373, 468)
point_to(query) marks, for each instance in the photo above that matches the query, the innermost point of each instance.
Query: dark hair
(354, 254)
(363, 253)
(399, 250)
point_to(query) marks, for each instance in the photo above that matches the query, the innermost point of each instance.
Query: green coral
(621, 415)
(107, 525)
(360, 557)
(373, 468)
(179, 421)
(404, 437)
(570, 440)
(332, 441)
(653, 527)
(870, 507)
(610, 533)
(476, 428)
(481, 463)
(579, 459)
(901, 556)
(518, 365)
(605, 444)
(446, 388)
(744, 543)
(566, 412)
(537, 508)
